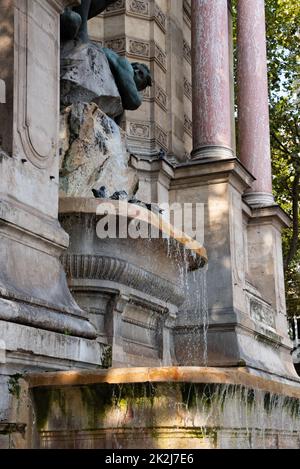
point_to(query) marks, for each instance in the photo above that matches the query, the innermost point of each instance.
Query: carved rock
(93, 153)
(86, 77)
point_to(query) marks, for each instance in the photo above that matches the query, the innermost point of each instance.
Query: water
(201, 308)
(193, 316)
(159, 413)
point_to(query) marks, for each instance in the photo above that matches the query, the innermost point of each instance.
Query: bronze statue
(74, 20)
(131, 78)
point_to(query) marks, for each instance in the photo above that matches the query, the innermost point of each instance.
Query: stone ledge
(8, 428)
(236, 376)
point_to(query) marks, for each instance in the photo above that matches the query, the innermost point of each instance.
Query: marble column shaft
(253, 112)
(211, 79)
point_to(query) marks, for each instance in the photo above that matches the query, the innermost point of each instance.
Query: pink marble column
(211, 80)
(253, 111)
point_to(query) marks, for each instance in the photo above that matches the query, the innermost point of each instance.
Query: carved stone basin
(131, 288)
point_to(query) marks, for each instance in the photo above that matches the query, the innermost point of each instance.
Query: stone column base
(212, 152)
(259, 199)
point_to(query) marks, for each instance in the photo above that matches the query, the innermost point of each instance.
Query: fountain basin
(130, 288)
(165, 408)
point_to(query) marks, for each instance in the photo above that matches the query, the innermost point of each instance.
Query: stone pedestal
(245, 285)
(131, 288)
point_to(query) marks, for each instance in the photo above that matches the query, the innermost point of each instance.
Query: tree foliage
(283, 48)
(283, 45)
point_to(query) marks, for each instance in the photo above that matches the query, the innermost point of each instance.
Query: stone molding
(161, 97)
(33, 313)
(116, 7)
(259, 199)
(188, 125)
(145, 9)
(140, 129)
(139, 7)
(161, 137)
(187, 88)
(187, 52)
(98, 267)
(149, 131)
(137, 49)
(37, 130)
(187, 14)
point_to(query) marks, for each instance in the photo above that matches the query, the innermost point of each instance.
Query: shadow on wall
(2, 92)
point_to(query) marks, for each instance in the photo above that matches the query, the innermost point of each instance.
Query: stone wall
(157, 33)
(169, 408)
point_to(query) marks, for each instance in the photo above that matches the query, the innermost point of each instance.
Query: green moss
(193, 394)
(107, 357)
(44, 399)
(97, 399)
(14, 386)
(292, 406)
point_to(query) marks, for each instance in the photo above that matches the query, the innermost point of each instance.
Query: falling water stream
(194, 284)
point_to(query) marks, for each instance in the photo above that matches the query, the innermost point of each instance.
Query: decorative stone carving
(139, 129)
(139, 48)
(187, 53)
(114, 8)
(188, 125)
(140, 278)
(160, 17)
(187, 11)
(122, 272)
(140, 7)
(117, 44)
(262, 313)
(161, 137)
(187, 89)
(160, 56)
(161, 97)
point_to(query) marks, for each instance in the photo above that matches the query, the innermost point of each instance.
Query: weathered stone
(86, 77)
(93, 153)
(171, 408)
(130, 287)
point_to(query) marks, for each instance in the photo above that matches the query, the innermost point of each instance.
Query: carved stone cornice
(144, 9)
(187, 11)
(60, 5)
(98, 267)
